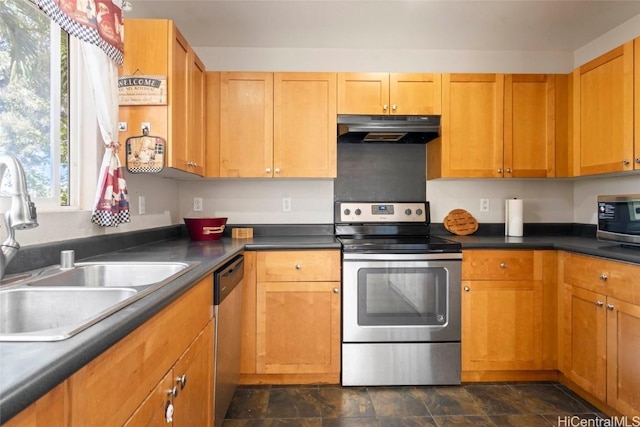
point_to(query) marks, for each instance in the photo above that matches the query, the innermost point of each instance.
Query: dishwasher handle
(227, 278)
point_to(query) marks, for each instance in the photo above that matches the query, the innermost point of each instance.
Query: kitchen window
(35, 101)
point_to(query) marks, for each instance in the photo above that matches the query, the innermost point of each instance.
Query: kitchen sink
(52, 314)
(109, 274)
(55, 303)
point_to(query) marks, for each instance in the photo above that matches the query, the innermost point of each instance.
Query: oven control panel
(383, 212)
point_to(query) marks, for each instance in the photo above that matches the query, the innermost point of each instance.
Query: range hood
(388, 129)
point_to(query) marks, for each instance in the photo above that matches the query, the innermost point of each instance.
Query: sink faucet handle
(67, 259)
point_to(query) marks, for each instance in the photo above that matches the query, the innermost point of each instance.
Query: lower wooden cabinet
(183, 397)
(508, 312)
(600, 324)
(291, 325)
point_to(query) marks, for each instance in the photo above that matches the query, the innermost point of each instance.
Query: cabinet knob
(626, 162)
(277, 170)
(298, 266)
(385, 107)
(610, 307)
(508, 170)
(500, 170)
(182, 381)
(336, 290)
(604, 277)
(599, 303)
(394, 107)
(467, 289)
(268, 170)
(173, 391)
(638, 160)
(503, 265)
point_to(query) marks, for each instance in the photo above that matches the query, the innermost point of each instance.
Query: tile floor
(495, 404)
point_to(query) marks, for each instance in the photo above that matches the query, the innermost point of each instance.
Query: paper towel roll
(513, 217)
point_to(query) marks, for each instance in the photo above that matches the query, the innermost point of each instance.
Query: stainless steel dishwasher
(227, 303)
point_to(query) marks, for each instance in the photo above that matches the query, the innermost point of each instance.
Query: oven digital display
(382, 209)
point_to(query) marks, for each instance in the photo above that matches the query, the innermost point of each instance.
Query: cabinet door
(305, 129)
(603, 113)
(415, 93)
(585, 339)
(363, 93)
(195, 141)
(298, 328)
(529, 126)
(193, 374)
(501, 325)
(472, 130)
(246, 125)
(623, 347)
(178, 101)
(153, 411)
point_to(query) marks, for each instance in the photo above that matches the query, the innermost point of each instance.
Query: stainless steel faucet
(22, 213)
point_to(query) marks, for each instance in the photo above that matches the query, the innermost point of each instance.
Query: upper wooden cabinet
(384, 93)
(603, 113)
(471, 144)
(494, 126)
(529, 125)
(280, 125)
(156, 47)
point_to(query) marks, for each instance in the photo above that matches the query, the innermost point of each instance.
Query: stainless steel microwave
(619, 219)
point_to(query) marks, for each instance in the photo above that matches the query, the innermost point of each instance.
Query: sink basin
(55, 304)
(52, 314)
(109, 274)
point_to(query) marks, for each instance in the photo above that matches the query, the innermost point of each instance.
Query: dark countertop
(30, 370)
(583, 245)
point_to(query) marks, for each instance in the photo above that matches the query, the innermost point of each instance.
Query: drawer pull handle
(599, 303)
(604, 277)
(467, 289)
(503, 265)
(610, 307)
(298, 266)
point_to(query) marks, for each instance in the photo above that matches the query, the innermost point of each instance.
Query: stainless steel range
(400, 296)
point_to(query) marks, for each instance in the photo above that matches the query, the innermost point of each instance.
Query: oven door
(401, 298)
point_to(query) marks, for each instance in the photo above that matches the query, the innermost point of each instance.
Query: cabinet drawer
(612, 278)
(294, 266)
(500, 265)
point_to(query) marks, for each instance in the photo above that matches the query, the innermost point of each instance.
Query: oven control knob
(347, 212)
(419, 212)
(407, 212)
(358, 212)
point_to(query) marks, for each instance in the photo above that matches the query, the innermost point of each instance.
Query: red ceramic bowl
(205, 228)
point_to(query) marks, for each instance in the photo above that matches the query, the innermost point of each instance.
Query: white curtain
(111, 206)
(99, 26)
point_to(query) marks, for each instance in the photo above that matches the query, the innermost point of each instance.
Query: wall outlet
(484, 205)
(142, 205)
(197, 204)
(286, 204)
